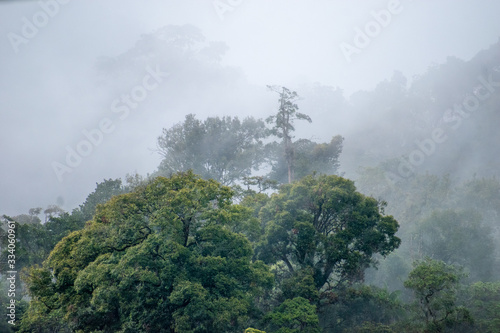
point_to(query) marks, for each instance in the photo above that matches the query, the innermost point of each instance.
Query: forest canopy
(174, 255)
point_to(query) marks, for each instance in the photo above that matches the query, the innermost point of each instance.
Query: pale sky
(49, 94)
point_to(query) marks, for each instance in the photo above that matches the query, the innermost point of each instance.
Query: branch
(287, 262)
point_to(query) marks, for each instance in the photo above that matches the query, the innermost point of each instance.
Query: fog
(67, 75)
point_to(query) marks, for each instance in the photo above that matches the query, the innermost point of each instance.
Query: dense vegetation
(179, 254)
(244, 227)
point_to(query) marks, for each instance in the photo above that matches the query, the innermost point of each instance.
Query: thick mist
(257, 166)
(68, 66)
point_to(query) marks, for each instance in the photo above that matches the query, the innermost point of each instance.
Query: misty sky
(49, 90)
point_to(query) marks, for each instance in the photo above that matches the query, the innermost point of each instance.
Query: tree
(6, 305)
(283, 124)
(102, 193)
(440, 218)
(309, 157)
(224, 149)
(263, 184)
(322, 224)
(483, 301)
(52, 211)
(435, 285)
(35, 240)
(362, 308)
(444, 233)
(32, 246)
(161, 259)
(293, 316)
(30, 218)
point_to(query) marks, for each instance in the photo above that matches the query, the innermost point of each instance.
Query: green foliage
(228, 150)
(177, 255)
(451, 221)
(287, 113)
(410, 199)
(300, 284)
(253, 330)
(255, 201)
(283, 127)
(35, 240)
(309, 157)
(162, 258)
(369, 327)
(263, 183)
(317, 157)
(224, 149)
(482, 193)
(102, 193)
(293, 315)
(32, 218)
(483, 301)
(321, 223)
(51, 211)
(360, 308)
(5, 302)
(31, 245)
(435, 286)
(444, 234)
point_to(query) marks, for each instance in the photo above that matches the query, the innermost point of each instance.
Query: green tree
(102, 193)
(322, 224)
(483, 301)
(36, 240)
(6, 298)
(435, 286)
(483, 195)
(30, 218)
(361, 308)
(52, 211)
(283, 124)
(224, 149)
(444, 234)
(293, 316)
(163, 258)
(370, 327)
(309, 157)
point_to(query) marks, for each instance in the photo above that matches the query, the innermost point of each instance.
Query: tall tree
(102, 193)
(442, 236)
(435, 286)
(483, 301)
(294, 316)
(160, 259)
(322, 226)
(283, 124)
(309, 157)
(224, 149)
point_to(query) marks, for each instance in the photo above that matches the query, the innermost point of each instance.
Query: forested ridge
(246, 227)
